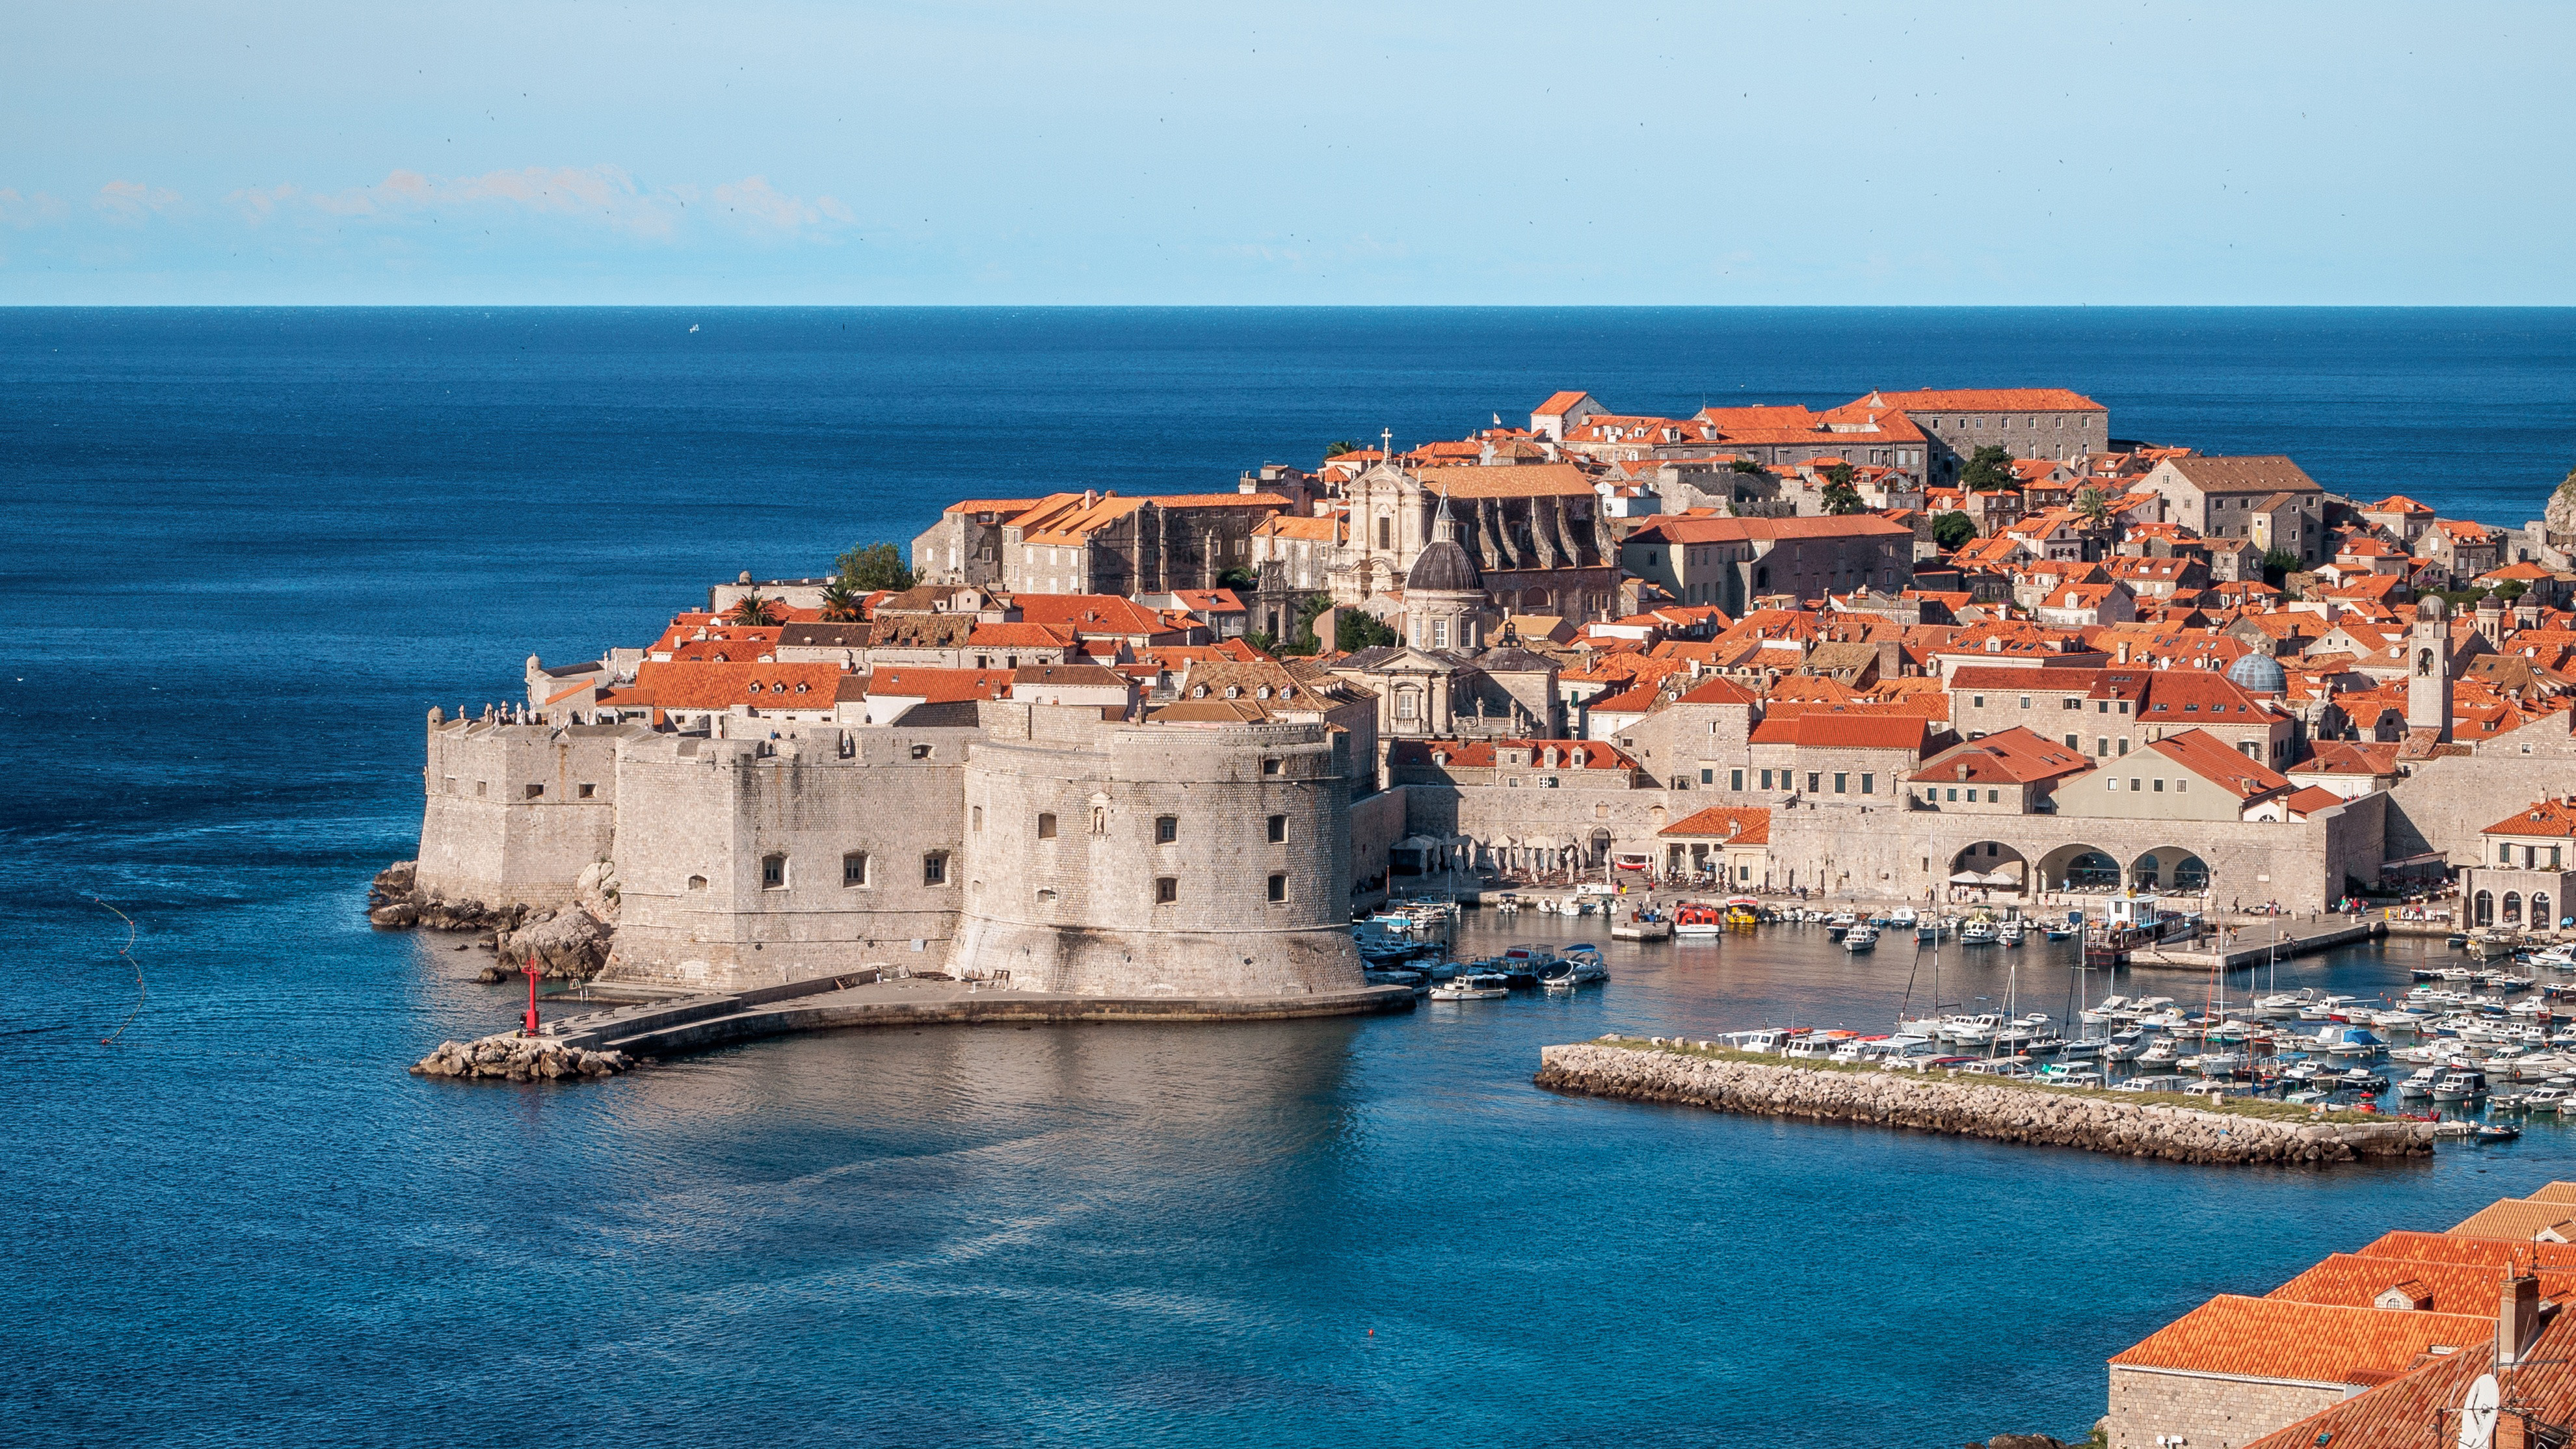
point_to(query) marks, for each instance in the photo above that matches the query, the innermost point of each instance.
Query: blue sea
(245, 552)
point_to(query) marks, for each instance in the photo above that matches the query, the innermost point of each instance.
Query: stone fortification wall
(2149, 1408)
(1903, 853)
(1488, 813)
(512, 813)
(1377, 822)
(748, 861)
(1651, 1071)
(2446, 802)
(1072, 885)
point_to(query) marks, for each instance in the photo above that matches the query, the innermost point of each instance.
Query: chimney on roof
(2517, 1318)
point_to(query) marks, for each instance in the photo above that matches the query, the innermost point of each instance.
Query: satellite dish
(2478, 1413)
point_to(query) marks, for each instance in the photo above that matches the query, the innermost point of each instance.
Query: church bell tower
(2428, 671)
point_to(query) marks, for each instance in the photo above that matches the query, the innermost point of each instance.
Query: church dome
(1443, 567)
(2260, 673)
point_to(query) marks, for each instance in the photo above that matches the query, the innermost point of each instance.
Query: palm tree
(841, 602)
(755, 612)
(2093, 506)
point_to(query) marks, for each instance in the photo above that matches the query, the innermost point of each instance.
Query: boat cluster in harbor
(1414, 946)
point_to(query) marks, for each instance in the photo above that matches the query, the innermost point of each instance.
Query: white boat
(1978, 932)
(1476, 987)
(1860, 938)
(2547, 1099)
(1901, 918)
(2159, 1053)
(2286, 1003)
(2011, 931)
(2460, 1085)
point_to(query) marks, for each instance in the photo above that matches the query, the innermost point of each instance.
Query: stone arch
(2513, 908)
(2540, 917)
(1996, 866)
(2077, 866)
(1600, 848)
(2170, 868)
(2482, 909)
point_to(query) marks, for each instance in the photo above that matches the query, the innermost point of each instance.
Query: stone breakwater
(1657, 1071)
(519, 1059)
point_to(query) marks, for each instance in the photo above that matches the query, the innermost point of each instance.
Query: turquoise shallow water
(248, 550)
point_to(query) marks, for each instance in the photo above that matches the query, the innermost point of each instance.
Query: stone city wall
(512, 813)
(746, 861)
(2205, 1409)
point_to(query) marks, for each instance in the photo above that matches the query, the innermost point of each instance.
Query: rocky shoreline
(1657, 1070)
(515, 1058)
(570, 943)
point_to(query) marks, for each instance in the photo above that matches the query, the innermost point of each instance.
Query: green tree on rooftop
(1953, 531)
(872, 566)
(1989, 470)
(752, 611)
(2091, 505)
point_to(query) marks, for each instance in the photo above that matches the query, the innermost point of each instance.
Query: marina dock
(2255, 946)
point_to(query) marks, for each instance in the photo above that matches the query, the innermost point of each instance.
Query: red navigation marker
(530, 1026)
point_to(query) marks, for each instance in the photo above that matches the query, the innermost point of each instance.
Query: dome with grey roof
(2260, 673)
(1443, 567)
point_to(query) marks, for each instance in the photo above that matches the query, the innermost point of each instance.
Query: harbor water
(247, 551)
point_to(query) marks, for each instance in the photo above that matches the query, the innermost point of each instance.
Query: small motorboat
(1696, 920)
(2495, 1132)
(2546, 1099)
(2462, 1084)
(1840, 922)
(2362, 1079)
(1978, 931)
(1860, 938)
(1473, 986)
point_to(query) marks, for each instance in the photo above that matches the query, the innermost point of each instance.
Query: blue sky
(1285, 153)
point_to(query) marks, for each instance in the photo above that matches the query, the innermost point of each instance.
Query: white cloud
(605, 196)
(754, 201)
(23, 212)
(131, 202)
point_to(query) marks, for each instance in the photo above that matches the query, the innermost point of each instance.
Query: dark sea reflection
(246, 551)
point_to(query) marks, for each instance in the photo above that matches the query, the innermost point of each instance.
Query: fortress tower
(1152, 860)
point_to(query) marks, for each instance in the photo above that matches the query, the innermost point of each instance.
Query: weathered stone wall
(1071, 887)
(1377, 823)
(2446, 802)
(485, 837)
(701, 821)
(2204, 1409)
(1903, 853)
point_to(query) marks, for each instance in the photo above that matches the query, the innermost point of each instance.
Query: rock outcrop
(1657, 1071)
(396, 900)
(519, 1059)
(570, 943)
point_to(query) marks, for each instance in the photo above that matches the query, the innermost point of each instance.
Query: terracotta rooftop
(2307, 1343)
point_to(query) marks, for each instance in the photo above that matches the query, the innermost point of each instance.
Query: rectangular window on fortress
(1167, 889)
(1046, 826)
(773, 872)
(1270, 767)
(1278, 829)
(854, 868)
(587, 791)
(1278, 889)
(1167, 828)
(1736, 779)
(481, 788)
(976, 816)
(1869, 784)
(934, 868)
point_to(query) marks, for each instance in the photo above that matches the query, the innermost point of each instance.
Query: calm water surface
(247, 550)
